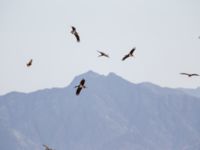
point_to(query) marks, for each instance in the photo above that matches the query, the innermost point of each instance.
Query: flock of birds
(82, 82)
(81, 85)
(103, 54)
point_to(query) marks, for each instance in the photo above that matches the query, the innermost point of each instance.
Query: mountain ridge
(92, 74)
(111, 113)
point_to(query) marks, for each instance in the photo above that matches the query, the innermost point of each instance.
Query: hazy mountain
(110, 114)
(193, 92)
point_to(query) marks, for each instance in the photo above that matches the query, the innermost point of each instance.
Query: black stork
(103, 54)
(190, 74)
(47, 147)
(29, 63)
(80, 86)
(75, 33)
(130, 54)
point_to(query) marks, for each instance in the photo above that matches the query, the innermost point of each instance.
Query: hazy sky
(165, 34)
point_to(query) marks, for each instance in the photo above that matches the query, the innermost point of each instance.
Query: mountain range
(110, 114)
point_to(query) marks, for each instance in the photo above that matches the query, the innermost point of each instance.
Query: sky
(164, 32)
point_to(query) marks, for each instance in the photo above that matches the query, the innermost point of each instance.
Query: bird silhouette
(189, 75)
(103, 54)
(130, 54)
(29, 63)
(75, 33)
(46, 147)
(80, 86)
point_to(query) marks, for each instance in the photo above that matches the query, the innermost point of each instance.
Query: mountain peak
(112, 74)
(89, 74)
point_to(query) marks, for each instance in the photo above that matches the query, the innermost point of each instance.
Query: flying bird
(80, 86)
(189, 75)
(75, 33)
(130, 54)
(103, 54)
(29, 63)
(46, 147)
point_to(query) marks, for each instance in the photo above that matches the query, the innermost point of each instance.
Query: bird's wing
(103, 54)
(77, 37)
(131, 52)
(82, 82)
(185, 73)
(126, 56)
(194, 74)
(106, 55)
(78, 90)
(100, 53)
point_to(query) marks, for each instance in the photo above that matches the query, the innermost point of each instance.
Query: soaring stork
(29, 63)
(46, 147)
(103, 54)
(130, 54)
(75, 33)
(80, 86)
(190, 74)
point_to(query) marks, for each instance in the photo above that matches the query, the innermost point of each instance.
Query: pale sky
(164, 32)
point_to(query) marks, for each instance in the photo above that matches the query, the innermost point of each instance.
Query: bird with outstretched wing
(190, 74)
(130, 54)
(103, 54)
(80, 86)
(75, 33)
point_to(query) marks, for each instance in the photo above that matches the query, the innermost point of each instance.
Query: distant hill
(110, 114)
